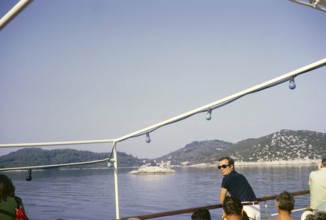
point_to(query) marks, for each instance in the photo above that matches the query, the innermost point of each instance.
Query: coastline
(305, 162)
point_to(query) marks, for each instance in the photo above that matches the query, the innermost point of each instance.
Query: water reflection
(89, 194)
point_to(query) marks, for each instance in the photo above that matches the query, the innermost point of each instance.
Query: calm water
(89, 194)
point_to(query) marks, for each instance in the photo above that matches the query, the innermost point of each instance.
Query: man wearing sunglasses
(237, 186)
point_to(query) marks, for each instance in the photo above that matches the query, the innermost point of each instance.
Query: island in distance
(282, 147)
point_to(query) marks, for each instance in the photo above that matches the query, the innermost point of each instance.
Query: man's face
(224, 167)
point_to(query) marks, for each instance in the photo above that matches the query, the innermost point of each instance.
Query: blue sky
(86, 70)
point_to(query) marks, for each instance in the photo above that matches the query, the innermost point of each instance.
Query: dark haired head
(323, 162)
(229, 159)
(6, 187)
(285, 201)
(320, 215)
(232, 206)
(201, 214)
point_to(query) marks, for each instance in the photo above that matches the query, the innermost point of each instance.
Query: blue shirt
(238, 186)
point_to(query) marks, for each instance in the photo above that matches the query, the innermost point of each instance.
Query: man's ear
(242, 211)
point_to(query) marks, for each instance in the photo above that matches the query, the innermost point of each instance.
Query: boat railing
(316, 4)
(215, 206)
(288, 77)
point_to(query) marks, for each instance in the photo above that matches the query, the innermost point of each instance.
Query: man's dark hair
(229, 159)
(232, 206)
(201, 214)
(320, 215)
(285, 201)
(323, 162)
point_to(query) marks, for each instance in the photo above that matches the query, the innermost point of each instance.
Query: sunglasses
(223, 166)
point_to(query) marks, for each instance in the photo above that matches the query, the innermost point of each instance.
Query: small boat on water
(163, 168)
(152, 170)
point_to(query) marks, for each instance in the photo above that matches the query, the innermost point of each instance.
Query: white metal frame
(205, 108)
(209, 107)
(13, 12)
(316, 4)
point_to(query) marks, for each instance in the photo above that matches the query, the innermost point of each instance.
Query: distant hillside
(197, 152)
(284, 145)
(37, 156)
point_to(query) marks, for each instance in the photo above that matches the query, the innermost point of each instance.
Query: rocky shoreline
(265, 163)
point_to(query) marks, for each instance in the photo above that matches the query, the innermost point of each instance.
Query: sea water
(89, 194)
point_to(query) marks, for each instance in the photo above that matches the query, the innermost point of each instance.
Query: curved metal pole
(314, 5)
(55, 165)
(117, 208)
(205, 108)
(13, 12)
(50, 144)
(226, 100)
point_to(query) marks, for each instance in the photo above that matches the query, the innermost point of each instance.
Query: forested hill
(284, 145)
(37, 156)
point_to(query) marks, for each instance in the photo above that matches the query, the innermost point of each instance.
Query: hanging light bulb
(292, 84)
(148, 138)
(109, 164)
(209, 115)
(29, 175)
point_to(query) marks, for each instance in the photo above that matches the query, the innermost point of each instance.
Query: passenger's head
(225, 165)
(201, 214)
(6, 187)
(232, 206)
(320, 215)
(323, 162)
(285, 201)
